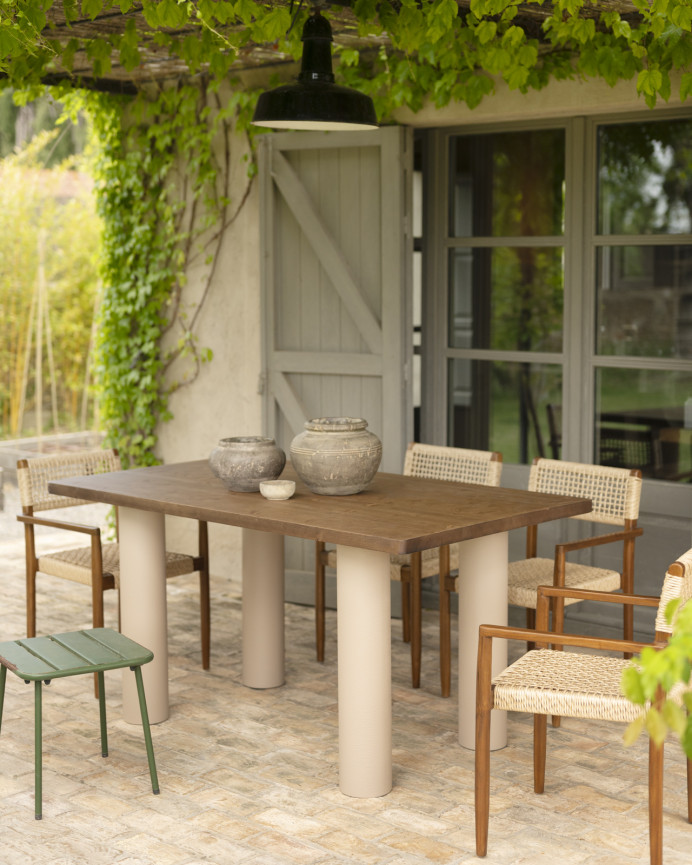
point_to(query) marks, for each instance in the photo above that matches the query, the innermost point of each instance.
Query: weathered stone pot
(336, 456)
(243, 461)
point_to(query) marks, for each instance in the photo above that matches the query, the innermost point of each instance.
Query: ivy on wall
(159, 217)
(162, 190)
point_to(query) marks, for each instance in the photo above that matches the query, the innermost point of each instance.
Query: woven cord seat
(565, 683)
(42, 659)
(462, 465)
(75, 564)
(545, 682)
(615, 494)
(96, 565)
(526, 576)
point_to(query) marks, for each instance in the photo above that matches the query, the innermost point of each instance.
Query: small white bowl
(277, 490)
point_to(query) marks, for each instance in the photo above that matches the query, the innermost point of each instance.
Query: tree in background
(50, 239)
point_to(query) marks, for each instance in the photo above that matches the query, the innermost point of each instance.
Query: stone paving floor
(250, 777)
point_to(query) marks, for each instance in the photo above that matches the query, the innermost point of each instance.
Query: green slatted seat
(42, 659)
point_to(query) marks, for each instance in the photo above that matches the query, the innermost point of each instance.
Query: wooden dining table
(396, 514)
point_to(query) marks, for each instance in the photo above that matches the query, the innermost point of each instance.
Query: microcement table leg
(143, 612)
(263, 609)
(482, 601)
(364, 672)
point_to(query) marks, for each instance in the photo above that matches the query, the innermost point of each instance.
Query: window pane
(506, 298)
(644, 301)
(503, 407)
(507, 185)
(644, 181)
(644, 421)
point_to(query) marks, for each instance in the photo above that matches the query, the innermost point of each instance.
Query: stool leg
(102, 714)
(3, 678)
(145, 726)
(38, 755)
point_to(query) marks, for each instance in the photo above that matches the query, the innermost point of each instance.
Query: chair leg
(3, 679)
(38, 751)
(30, 603)
(145, 727)
(205, 617)
(416, 619)
(204, 595)
(102, 714)
(97, 619)
(656, 802)
(406, 604)
(319, 599)
(445, 641)
(446, 583)
(531, 625)
(540, 727)
(482, 785)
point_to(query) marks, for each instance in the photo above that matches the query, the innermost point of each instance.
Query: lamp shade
(315, 101)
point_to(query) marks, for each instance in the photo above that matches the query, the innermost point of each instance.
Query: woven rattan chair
(570, 684)
(423, 461)
(96, 565)
(615, 494)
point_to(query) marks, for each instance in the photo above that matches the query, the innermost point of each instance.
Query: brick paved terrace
(250, 777)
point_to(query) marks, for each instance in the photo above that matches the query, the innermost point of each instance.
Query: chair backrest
(677, 584)
(453, 464)
(33, 476)
(627, 448)
(614, 492)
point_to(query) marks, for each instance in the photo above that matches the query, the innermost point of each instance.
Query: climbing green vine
(439, 49)
(162, 191)
(159, 218)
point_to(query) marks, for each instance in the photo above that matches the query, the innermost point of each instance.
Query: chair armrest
(546, 637)
(598, 540)
(59, 524)
(591, 595)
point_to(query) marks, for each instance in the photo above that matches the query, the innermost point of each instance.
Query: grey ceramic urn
(336, 456)
(242, 462)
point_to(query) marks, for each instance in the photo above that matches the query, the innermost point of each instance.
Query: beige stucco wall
(224, 400)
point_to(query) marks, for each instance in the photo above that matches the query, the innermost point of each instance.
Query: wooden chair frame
(100, 581)
(543, 637)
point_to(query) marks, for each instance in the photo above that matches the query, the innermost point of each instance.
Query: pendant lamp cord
(316, 5)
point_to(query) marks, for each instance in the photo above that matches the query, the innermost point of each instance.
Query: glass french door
(558, 292)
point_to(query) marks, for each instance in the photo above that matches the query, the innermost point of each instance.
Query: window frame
(578, 358)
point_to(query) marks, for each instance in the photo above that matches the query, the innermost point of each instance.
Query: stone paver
(251, 776)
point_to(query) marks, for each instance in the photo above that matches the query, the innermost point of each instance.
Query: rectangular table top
(396, 514)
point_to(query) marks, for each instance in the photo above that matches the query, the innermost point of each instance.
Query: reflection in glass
(507, 185)
(644, 301)
(644, 421)
(644, 178)
(506, 298)
(502, 406)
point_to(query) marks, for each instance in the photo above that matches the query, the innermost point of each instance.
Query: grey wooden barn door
(336, 292)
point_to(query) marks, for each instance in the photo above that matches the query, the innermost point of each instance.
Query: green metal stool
(41, 659)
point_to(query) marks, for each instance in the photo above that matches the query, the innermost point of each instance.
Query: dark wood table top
(396, 514)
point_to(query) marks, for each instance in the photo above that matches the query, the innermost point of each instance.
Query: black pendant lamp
(315, 101)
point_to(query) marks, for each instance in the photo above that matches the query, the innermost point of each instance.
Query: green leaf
(486, 31)
(92, 8)
(656, 726)
(633, 731)
(631, 685)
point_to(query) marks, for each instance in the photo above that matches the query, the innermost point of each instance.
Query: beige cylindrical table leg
(482, 601)
(263, 609)
(143, 615)
(364, 672)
